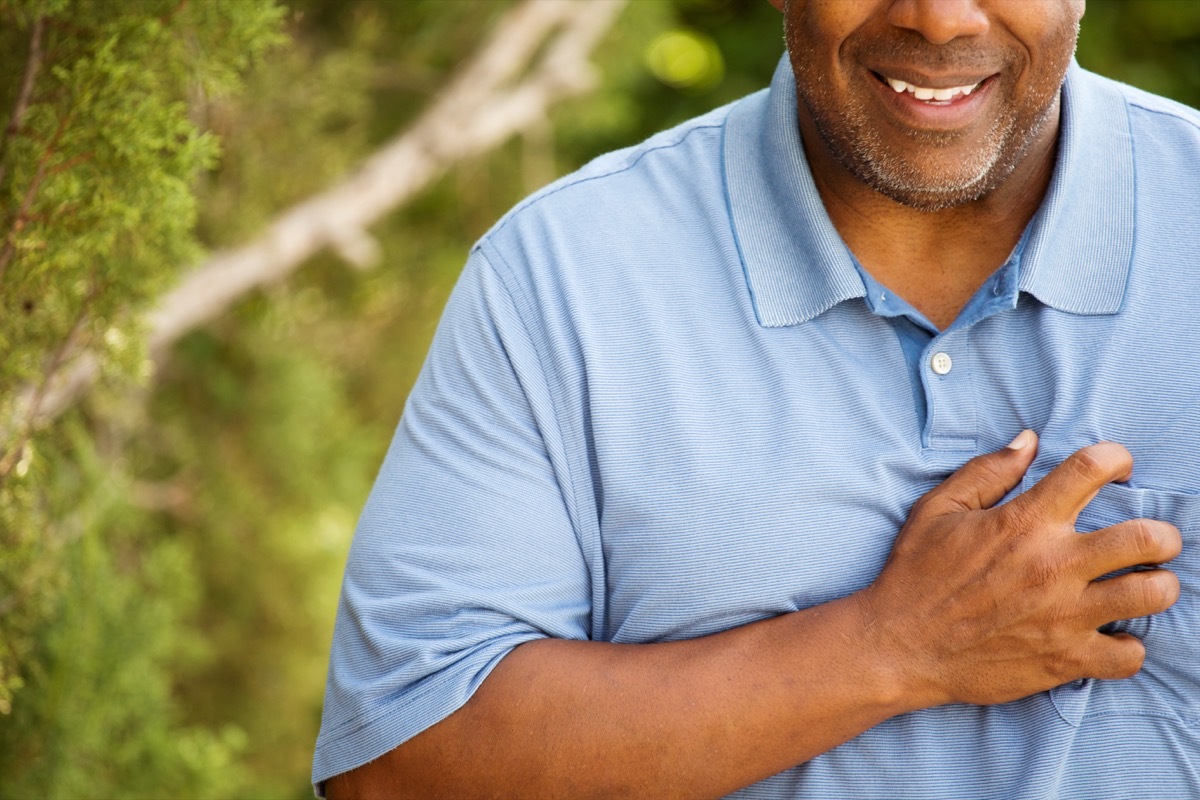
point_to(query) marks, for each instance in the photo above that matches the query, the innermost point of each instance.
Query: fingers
(1114, 656)
(985, 479)
(1127, 544)
(1071, 485)
(1136, 594)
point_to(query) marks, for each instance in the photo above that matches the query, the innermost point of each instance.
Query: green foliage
(96, 718)
(1152, 44)
(97, 200)
(298, 126)
(97, 163)
(265, 530)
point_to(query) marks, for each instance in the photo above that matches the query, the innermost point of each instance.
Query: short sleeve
(465, 548)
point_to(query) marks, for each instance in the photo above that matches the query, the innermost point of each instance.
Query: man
(704, 487)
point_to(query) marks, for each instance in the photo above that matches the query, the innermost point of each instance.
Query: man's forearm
(697, 718)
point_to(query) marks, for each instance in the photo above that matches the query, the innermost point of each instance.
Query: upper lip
(946, 81)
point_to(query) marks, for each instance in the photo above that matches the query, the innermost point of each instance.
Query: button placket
(950, 422)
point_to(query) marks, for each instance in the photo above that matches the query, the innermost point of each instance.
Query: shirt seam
(537, 198)
(512, 292)
(1166, 112)
(1134, 201)
(733, 231)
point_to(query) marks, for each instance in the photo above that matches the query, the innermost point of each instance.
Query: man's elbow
(374, 780)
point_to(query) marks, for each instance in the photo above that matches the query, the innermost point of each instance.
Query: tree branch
(55, 363)
(500, 92)
(32, 64)
(9, 248)
(473, 115)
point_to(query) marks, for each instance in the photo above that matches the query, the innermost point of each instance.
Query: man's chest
(735, 485)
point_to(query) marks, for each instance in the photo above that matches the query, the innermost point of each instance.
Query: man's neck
(934, 260)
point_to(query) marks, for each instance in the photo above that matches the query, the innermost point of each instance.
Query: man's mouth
(940, 96)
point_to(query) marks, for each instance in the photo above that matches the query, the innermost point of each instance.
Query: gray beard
(858, 148)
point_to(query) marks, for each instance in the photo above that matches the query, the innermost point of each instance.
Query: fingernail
(1024, 438)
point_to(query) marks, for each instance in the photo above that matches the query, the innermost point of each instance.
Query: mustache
(913, 50)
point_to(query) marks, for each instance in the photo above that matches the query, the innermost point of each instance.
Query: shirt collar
(1080, 243)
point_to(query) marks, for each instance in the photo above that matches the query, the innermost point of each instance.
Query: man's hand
(998, 603)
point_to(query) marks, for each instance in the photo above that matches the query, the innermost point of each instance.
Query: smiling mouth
(943, 96)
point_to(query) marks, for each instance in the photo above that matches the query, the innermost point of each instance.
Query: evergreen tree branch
(167, 18)
(476, 113)
(19, 217)
(22, 214)
(504, 90)
(32, 64)
(58, 359)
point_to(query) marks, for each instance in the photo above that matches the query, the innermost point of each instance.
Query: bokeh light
(685, 59)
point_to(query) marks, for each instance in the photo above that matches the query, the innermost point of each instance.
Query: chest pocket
(1168, 684)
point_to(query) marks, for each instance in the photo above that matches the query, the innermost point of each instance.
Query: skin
(704, 717)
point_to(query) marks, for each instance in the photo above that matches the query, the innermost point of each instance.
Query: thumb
(984, 480)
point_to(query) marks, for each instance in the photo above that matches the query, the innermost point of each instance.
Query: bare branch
(473, 115)
(501, 92)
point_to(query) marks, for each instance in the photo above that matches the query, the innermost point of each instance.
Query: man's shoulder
(1163, 111)
(1157, 104)
(628, 158)
(634, 183)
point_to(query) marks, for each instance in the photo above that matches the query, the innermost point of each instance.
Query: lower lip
(957, 113)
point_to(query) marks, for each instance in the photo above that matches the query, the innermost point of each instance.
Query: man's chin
(923, 193)
(931, 201)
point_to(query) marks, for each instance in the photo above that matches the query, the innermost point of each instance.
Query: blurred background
(182, 459)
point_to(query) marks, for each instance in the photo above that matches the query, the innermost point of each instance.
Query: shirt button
(941, 363)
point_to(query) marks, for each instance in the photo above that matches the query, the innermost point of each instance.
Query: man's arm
(976, 604)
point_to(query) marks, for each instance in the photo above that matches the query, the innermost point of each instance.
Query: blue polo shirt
(664, 401)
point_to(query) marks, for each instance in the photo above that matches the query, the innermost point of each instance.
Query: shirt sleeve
(465, 548)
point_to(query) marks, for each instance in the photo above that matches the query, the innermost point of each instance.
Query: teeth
(925, 93)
